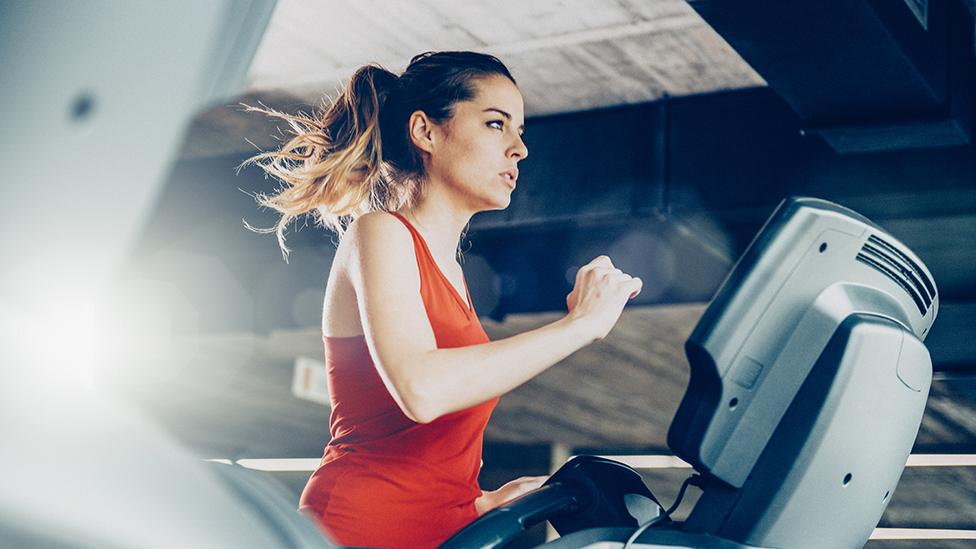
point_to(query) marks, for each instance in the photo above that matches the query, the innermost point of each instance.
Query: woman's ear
(421, 129)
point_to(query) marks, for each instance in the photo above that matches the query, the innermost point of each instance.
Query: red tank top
(384, 480)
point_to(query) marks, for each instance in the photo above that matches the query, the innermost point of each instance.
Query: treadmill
(809, 379)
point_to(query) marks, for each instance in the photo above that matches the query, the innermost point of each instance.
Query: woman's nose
(519, 149)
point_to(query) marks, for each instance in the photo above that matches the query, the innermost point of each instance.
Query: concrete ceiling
(567, 56)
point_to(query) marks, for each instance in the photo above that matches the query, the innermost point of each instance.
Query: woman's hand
(599, 295)
(508, 492)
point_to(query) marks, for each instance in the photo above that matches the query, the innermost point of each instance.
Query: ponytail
(333, 166)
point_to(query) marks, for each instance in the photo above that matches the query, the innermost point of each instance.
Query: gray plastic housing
(836, 456)
(813, 265)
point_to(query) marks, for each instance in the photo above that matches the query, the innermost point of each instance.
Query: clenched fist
(599, 295)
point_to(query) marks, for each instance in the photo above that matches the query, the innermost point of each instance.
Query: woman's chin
(503, 202)
(498, 202)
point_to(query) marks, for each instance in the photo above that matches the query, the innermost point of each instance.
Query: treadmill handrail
(504, 523)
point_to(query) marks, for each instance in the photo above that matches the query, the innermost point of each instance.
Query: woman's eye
(497, 124)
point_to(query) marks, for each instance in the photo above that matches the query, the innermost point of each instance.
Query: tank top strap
(429, 268)
(424, 257)
(413, 231)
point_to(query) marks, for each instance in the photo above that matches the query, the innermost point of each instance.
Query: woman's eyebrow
(503, 113)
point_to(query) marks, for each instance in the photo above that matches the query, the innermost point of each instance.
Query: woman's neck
(440, 222)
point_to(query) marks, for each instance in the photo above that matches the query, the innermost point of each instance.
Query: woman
(397, 166)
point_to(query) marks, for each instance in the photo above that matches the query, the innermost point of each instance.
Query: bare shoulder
(379, 246)
(375, 235)
(376, 228)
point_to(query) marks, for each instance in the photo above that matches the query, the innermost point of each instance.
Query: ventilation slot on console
(888, 260)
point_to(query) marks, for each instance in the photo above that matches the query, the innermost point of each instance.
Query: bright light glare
(651, 462)
(62, 340)
(921, 533)
(914, 460)
(942, 460)
(635, 461)
(280, 465)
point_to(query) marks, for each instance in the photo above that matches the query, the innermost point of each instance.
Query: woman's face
(476, 152)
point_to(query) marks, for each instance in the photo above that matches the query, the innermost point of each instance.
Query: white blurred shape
(310, 381)
(280, 465)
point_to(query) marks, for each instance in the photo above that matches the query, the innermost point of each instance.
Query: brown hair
(355, 156)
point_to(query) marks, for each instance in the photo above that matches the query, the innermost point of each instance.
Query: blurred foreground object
(95, 100)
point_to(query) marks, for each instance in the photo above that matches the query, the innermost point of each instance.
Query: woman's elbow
(417, 402)
(421, 416)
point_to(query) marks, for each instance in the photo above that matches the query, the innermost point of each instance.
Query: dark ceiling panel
(864, 75)
(840, 59)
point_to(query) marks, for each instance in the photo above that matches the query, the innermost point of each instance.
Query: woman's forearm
(448, 380)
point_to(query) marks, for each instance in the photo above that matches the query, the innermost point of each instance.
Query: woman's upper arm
(383, 270)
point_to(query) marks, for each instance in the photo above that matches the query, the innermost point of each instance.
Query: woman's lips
(510, 176)
(508, 179)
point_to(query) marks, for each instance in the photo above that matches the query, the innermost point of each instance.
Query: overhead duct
(865, 75)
